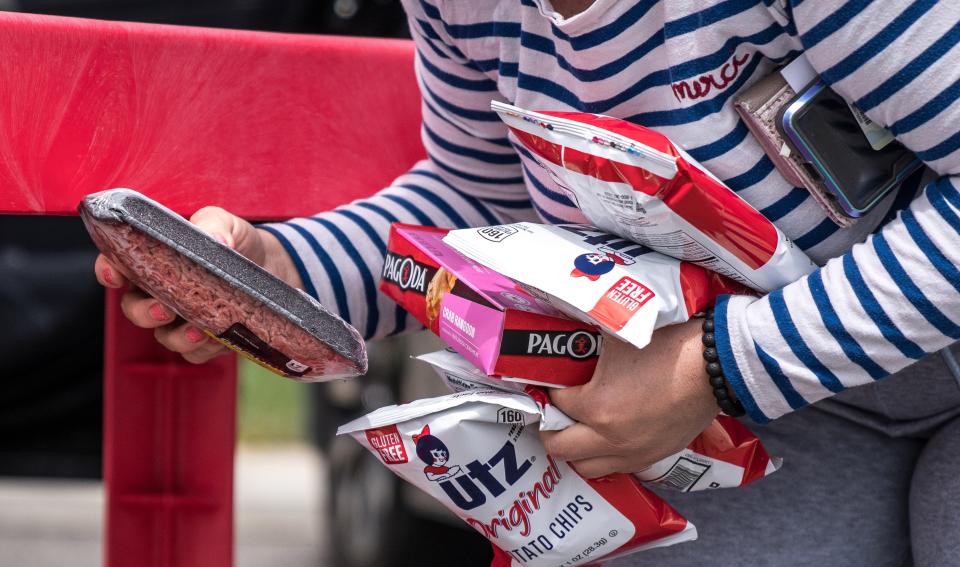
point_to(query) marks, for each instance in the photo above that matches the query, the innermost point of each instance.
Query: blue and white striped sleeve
(895, 297)
(472, 177)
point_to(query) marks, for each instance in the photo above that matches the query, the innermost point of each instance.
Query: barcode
(683, 475)
(862, 118)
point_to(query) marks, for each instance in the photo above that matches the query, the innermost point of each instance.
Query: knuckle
(167, 339)
(622, 446)
(128, 304)
(554, 448)
(195, 357)
(625, 443)
(591, 470)
(161, 336)
(208, 211)
(217, 353)
(588, 413)
(211, 350)
(212, 218)
(603, 418)
(561, 400)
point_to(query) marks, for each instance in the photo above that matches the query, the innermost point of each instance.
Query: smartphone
(823, 129)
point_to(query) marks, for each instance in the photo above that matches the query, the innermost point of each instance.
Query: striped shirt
(888, 292)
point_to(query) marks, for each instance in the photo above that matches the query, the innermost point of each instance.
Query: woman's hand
(642, 404)
(184, 338)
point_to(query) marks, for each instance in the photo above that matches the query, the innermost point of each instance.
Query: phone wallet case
(759, 106)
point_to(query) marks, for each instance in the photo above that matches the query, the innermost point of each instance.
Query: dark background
(350, 17)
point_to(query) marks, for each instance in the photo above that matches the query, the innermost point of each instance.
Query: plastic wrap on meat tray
(220, 291)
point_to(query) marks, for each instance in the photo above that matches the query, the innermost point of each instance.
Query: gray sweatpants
(869, 479)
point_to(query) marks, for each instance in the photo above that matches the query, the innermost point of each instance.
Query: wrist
(689, 356)
(725, 397)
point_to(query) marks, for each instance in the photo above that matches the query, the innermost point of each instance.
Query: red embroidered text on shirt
(704, 84)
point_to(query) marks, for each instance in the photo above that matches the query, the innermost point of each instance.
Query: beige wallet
(759, 107)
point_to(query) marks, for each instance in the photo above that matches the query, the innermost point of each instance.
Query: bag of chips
(623, 287)
(479, 454)
(635, 183)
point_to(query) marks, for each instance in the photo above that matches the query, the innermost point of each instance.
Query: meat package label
(242, 340)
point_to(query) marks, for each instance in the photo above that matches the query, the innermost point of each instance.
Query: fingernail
(193, 334)
(222, 240)
(158, 312)
(108, 276)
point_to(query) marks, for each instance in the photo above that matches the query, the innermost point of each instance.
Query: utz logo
(469, 486)
(497, 233)
(595, 264)
(405, 272)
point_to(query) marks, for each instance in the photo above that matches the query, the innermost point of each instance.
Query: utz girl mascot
(595, 264)
(434, 452)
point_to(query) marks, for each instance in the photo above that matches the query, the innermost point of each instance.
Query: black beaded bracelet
(727, 404)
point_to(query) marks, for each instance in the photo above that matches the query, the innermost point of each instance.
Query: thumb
(219, 224)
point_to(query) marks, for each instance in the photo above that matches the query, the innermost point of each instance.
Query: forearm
(894, 298)
(880, 307)
(471, 178)
(338, 255)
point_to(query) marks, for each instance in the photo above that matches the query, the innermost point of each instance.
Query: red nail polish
(108, 276)
(158, 312)
(193, 334)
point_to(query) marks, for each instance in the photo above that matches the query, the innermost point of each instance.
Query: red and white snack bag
(624, 287)
(634, 182)
(459, 375)
(479, 454)
(725, 455)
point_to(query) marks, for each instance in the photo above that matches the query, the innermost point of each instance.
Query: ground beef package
(215, 288)
(725, 455)
(479, 454)
(634, 182)
(623, 287)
